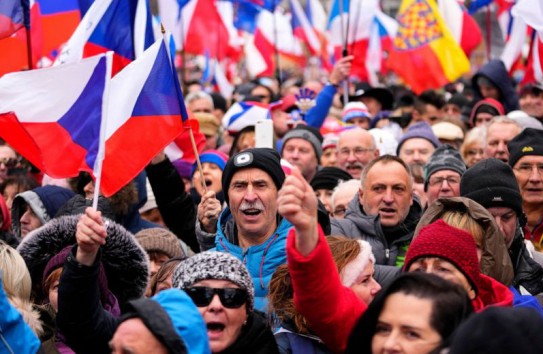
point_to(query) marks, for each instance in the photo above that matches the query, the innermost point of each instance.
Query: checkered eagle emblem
(418, 26)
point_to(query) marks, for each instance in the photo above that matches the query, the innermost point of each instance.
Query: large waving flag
(463, 27)
(531, 13)
(11, 16)
(15, 48)
(52, 116)
(382, 32)
(59, 21)
(273, 37)
(122, 26)
(197, 27)
(425, 54)
(303, 29)
(145, 114)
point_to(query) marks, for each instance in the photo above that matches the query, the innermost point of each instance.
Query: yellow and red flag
(425, 54)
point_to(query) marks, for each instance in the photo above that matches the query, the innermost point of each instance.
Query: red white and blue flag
(121, 26)
(273, 38)
(303, 29)
(198, 27)
(64, 118)
(366, 34)
(12, 16)
(52, 116)
(462, 26)
(244, 114)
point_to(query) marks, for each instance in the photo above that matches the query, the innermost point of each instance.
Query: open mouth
(251, 212)
(215, 327)
(387, 210)
(208, 182)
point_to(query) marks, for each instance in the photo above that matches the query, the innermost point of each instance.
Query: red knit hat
(441, 240)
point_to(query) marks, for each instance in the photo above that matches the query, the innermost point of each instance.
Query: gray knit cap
(307, 133)
(444, 157)
(214, 265)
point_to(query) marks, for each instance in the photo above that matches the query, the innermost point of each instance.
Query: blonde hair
(17, 284)
(464, 221)
(15, 275)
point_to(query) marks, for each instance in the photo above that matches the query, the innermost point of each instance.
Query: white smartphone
(264, 133)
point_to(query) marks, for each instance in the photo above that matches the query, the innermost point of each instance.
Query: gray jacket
(368, 227)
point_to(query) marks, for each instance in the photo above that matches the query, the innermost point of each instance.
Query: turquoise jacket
(261, 260)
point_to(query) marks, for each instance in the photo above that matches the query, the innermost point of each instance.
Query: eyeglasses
(438, 181)
(9, 162)
(359, 151)
(339, 211)
(231, 298)
(526, 169)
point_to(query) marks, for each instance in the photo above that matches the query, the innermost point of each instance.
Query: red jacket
(491, 293)
(331, 309)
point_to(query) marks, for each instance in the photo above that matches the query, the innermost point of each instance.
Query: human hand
(90, 235)
(209, 210)
(341, 70)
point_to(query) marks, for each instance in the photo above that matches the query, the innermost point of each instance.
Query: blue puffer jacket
(261, 260)
(15, 335)
(496, 72)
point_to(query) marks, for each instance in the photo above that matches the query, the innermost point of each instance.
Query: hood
(174, 320)
(486, 102)
(496, 72)
(495, 261)
(125, 262)
(45, 202)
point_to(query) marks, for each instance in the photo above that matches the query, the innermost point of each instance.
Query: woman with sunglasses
(222, 289)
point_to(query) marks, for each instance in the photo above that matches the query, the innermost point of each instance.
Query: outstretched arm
(81, 318)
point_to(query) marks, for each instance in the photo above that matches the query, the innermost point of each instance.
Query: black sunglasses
(231, 298)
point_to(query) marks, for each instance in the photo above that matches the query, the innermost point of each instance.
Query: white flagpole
(97, 169)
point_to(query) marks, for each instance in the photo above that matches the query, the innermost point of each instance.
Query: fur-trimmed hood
(125, 262)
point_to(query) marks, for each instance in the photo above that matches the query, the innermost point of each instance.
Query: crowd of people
(391, 223)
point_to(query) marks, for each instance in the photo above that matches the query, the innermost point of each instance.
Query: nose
(24, 218)
(535, 176)
(391, 344)
(502, 146)
(215, 304)
(376, 287)
(388, 197)
(250, 195)
(416, 156)
(498, 220)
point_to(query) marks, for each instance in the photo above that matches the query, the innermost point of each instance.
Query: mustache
(254, 205)
(354, 164)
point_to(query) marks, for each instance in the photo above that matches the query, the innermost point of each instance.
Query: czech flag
(122, 26)
(11, 16)
(302, 28)
(52, 116)
(425, 55)
(146, 113)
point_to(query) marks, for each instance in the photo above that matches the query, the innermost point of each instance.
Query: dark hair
(430, 97)
(163, 273)
(451, 306)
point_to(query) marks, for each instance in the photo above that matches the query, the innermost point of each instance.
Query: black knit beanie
(329, 177)
(492, 183)
(444, 157)
(528, 142)
(265, 159)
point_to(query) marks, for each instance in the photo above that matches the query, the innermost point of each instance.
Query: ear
(360, 195)
(376, 153)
